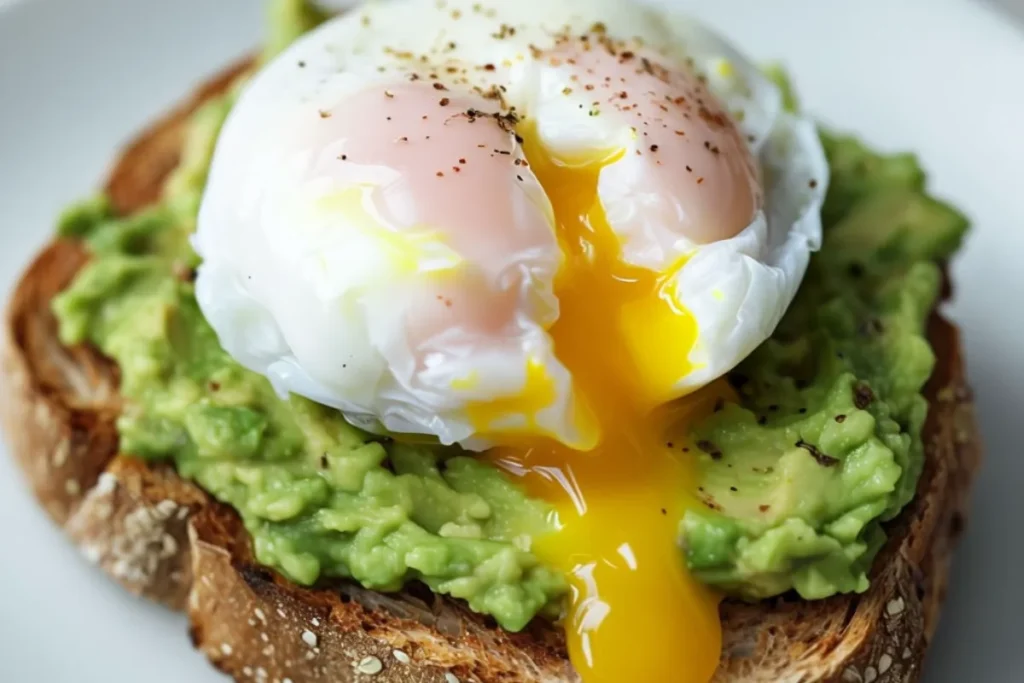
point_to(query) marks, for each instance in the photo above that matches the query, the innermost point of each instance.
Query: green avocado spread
(797, 478)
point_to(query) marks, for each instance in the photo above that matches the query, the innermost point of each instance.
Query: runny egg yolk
(635, 612)
(619, 492)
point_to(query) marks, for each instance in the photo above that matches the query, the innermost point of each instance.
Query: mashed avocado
(825, 444)
(797, 478)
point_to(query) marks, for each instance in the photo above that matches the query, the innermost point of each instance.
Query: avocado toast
(135, 517)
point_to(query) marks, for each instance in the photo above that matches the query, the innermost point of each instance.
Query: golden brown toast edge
(163, 538)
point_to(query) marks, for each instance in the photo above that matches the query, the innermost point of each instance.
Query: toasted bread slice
(165, 539)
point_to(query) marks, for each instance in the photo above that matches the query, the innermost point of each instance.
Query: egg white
(280, 314)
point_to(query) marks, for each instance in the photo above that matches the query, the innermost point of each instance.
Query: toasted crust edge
(59, 412)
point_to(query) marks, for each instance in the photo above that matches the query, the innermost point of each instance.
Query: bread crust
(163, 538)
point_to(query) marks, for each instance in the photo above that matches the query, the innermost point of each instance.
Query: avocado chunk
(824, 443)
(892, 227)
(858, 172)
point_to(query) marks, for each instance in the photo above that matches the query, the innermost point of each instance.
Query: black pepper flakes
(819, 457)
(185, 274)
(712, 148)
(504, 32)
(863, 396)
(710, 448)
(444, 102)
(712, 505)
(872, 327)
(840, 418)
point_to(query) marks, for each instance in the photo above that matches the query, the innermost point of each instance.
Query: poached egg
(532, 229)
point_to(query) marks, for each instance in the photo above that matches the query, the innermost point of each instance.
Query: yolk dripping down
(635, 614)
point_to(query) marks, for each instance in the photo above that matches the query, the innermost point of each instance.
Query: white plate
(941, 77)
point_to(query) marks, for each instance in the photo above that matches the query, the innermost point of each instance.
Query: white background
(1015, 7)
(941, 77)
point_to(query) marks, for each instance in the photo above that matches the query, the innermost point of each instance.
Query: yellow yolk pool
(635, 613)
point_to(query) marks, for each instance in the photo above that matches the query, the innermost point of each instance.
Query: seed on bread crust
(369, 666)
